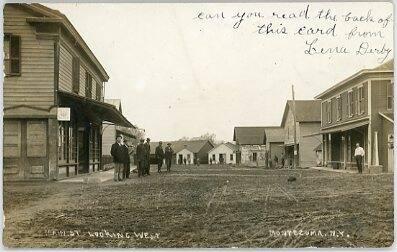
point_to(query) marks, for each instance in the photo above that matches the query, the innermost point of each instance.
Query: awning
(95, 110)
(125, 131)
(345, 127)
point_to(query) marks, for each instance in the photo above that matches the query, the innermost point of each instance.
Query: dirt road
(209, 206)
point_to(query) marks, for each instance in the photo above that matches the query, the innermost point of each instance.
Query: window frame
(338, 108)
(388, 95)
(360, 100)
(329, 111)
(88, 85)
(10, 59)
(350, 103)
(76, 74)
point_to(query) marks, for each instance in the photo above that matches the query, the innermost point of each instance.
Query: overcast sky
(180, 76)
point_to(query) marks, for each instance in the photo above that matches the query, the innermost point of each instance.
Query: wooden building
(192, 149)
(111, 130)
(308, 120)
(360, 110)
(274, 141)
(251, 145)
(53, 97)
(224, 153)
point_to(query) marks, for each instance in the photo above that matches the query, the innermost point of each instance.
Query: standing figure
(359, 156)
(198, 161)
(168, 156)
(118, 158)
(210, 161)
(184, 160)
(140, 157)
(159, 156)
(126, 160)
(147, 156)
(275, 161)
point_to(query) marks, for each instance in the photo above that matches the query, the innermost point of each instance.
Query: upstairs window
(350, 103)
(98, 92)
(390, 95)
(338, 108)
(361, 104)
(76, 74)
(329, 110)
(88, 85)
(12, 55)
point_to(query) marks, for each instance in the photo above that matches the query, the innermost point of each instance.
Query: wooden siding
(67, 52)
(35, 85)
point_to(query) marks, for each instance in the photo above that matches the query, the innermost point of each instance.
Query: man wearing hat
(159, 156)
(147, 156)
(117, 152)
(168, 156)
(140, 157)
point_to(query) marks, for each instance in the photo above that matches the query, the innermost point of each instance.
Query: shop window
(63, 142)
(12, 55)
(12, 139)
(390, 95)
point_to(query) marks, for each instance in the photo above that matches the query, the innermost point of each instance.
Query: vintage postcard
(198, 125)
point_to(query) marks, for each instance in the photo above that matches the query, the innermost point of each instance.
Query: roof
(388, 116)
(305, 111)
(115, 102)
(249, 135)
(194, 145)
(230, 145)
(274, 134)
(49, 15)
(387, 67)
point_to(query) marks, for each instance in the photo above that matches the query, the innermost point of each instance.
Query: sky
(178, 75)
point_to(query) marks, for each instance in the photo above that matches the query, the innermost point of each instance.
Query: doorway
(83, 149)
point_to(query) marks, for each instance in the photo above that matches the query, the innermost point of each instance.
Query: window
(254, 156)
(231, 157)
(390, 95)
(338, 108)
(63, 141)
(98, 92)
(76, 75)
(329, 109)
(88, 85)
(213, 157)
(360, 107)
(12, 54)
(11, 138)
(350, 103)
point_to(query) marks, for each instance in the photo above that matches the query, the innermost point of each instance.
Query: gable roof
(387, 67)
(194, 145)
(306, 111)
(249, 135)
(48, 15)
(115, 102)
(274, 134)
(230, 145)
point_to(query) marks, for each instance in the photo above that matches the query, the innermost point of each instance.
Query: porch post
(324, 152)
(376, 149)
(344, 149)
(329, 147)
(369, 145)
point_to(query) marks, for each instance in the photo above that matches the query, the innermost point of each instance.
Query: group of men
(143, 157)
(121, 152)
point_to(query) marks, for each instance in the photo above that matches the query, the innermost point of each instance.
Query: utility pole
(296, 161)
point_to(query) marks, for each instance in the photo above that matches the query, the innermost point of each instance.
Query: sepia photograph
(198, 125)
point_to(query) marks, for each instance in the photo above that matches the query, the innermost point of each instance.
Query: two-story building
(53, 97)
(359, 109)
(308, 120)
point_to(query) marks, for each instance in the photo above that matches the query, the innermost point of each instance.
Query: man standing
(359, 156)
(126, 153)
(168, 156)
(117, 152)
(147, 156)
(159, 156)
(140, 157)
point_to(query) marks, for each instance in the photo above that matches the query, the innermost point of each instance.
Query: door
(254, 156)
(82, 146)
(180, 159)
(390, 153)
(25, 149)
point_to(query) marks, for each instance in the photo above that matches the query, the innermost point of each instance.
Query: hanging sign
(63, 114)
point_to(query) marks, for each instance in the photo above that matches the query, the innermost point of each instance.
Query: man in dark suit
(126, 154)
(168, 156)
(117, 152)
(140, 157)
(159, 156)
(147, 156)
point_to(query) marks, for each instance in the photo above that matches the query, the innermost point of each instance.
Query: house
(111, 130)
(192, 150)
(274, 142)
(53, 97)
(308, 119)
(251, 146)
(224, 153)
(360, 110)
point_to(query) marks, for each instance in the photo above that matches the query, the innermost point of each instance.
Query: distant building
(274, 140)
(185, 149)
(111, 130)
(308, 120)
(224, 153)
(360, 110)
(251, 145)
